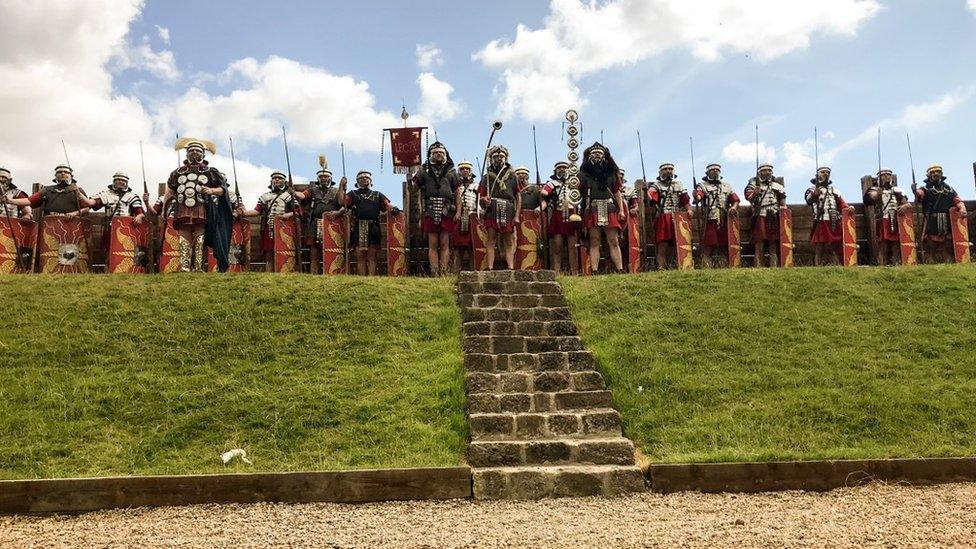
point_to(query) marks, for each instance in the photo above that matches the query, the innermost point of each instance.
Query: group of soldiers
(202, 209)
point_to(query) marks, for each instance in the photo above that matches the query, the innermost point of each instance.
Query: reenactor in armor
(65, 197)
(565, 220)
(602, 203)
(531, 193)
(10, 192)
(667, 195)
(276, 203)
(465, 204)
(768, 197)
(366, 205)
(118, 200)
(437, 182)
(826, 205)
(200, 221)
(717, 201)
(501, 200)
(937, 197)
(887, 199)
(629, 194)
(322, 198)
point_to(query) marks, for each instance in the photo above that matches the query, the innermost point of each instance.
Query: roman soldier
(531, 193)
(667, 195)
(63, 198)
(437, 182)
(603, 204)
(366, 205)
(565, 220)
(501, 199)
(9, 192)
(767, 195)
(717, 201)
(201, 222)
(629, 194)
(826, 205)
(465, 204)
(118, 200)
(322, 198)
(887, 199)
(937, 197)
(276, 202)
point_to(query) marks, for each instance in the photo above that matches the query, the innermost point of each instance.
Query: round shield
(573, 131)
(181, 179)
(203, 179)
(573, 156)
(572, 116)
(190, 202)
(192, 177)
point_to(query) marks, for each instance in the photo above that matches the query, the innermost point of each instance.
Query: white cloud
(428, 56)
(971, 4)
(742, 153)
(163, 33)
(435, 98)
(141, 56)
(57, 63)
(912, 117)
(540, 68)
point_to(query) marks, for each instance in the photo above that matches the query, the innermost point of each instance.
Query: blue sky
(857, 64)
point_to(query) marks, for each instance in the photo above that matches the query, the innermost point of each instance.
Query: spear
(233, 164)
(694, 184)
(142, 160)
(297, 206)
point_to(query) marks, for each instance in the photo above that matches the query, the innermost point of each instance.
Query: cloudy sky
(105, 74)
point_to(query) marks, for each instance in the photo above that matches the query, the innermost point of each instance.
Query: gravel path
(872, 516)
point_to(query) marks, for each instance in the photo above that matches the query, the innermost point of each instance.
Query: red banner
(406, 149)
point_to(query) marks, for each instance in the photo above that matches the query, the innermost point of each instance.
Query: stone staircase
(540, 415)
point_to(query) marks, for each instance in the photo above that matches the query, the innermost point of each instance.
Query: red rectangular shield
(286, 245)
(63, 245)
(396, 244)
(128, 249)
(239, 255)
(169, 257)
(960, 235)
(334, 241)
(633, 244)
(734, 238)
(906, 236)
(479, 247)
(682, 240)
(17, 233)
(848, 231)
(528, 241)
(786, 237)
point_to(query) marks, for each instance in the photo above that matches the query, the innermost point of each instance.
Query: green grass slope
(104, 375)
(743, 365)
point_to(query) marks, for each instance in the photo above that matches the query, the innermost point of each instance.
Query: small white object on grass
(235, 453)
(640, 388)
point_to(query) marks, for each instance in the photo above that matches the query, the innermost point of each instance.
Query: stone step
(512, 453)
(530, 482)
(595, 423)
(533, 382)
(498, 345)
(510, 301)
(510, 288)
(498, 403)
(506, 276)
(475, 314)
(555, 361)
(522, 328)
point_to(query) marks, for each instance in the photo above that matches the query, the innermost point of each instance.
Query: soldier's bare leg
(508, 244)
(818, 254)
(573, 245)
(594, 245)
(556, 252)
(445, 252)
(432, 254)
(315, 258)
(613, 242)
(706, 257)
(773, 246)
(492, 240)
(371, 254)
(662, 254)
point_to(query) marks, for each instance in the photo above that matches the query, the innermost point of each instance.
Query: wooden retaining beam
(90, 494)
(816, 476)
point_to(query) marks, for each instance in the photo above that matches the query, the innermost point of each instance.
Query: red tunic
(664, 223)
(825, 232)
(715, 235)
